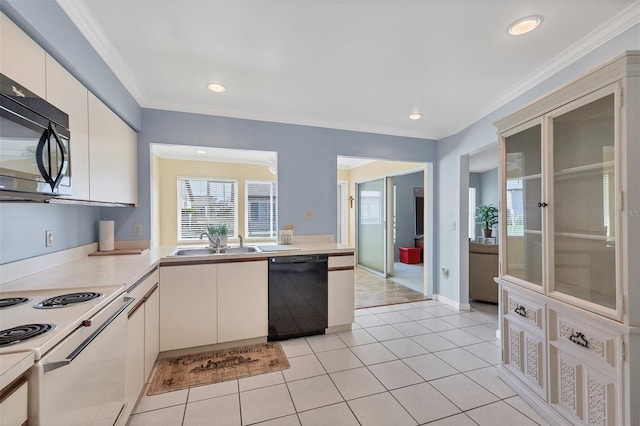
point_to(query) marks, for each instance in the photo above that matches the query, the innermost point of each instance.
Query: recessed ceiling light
(216, 87)
(525, 25)
(415, 116)
(201, 152)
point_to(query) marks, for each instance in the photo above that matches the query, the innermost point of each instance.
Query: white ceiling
(347, 64)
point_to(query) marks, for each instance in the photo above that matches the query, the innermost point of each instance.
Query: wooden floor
(373, 290)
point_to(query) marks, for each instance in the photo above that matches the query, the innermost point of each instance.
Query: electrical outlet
(48, 238)
(137, 230)
(309, 215)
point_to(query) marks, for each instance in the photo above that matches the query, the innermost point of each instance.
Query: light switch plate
(48, 238)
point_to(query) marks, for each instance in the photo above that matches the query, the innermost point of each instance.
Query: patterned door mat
(204, 368)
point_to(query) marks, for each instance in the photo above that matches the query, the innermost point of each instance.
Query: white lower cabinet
(524, 356)
(242, 300)
(581, 392)
(188, 306)
(142, 338)
(13, 404)
(212, 303)
(135, 356)
(151, 330)
(580, 355)
(524, 352)
(340, 298)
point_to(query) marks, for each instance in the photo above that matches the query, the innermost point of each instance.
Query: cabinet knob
(579, 339)
(542, 204)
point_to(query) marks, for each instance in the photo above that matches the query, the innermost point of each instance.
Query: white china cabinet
(570, 238)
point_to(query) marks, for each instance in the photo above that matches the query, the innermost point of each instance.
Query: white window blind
(203, 201)
(261, 209)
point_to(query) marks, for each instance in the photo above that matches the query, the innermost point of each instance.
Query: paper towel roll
(106, 235)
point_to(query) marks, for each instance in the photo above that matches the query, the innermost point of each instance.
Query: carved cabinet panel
(581, 392)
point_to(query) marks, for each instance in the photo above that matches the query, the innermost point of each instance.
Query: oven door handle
(49, 366)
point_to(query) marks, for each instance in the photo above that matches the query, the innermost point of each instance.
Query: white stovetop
(64, 319)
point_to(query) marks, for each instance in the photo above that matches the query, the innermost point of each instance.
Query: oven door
(81, 381)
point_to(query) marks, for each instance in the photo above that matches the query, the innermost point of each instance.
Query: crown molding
(83, 19)
(615, 26)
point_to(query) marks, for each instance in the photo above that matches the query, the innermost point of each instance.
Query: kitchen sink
(238, 250)
(205, 251)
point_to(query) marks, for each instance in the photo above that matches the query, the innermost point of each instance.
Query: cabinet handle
(542, 204)
(579, 339)
(521, 310)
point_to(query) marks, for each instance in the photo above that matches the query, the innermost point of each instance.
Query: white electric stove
(26, 324)
(78, 338)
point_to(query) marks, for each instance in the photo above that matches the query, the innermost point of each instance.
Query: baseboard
(337, 328)
(450, 302)
(531, 398)
(22, 268)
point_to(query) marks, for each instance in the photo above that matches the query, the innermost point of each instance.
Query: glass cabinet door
(583, 211)
(523, 171)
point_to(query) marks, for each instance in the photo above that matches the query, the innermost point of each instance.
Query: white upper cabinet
(21, 58)
(112, 156)
(568, 191)
(69, 95)
(584, 213)
(570, 238)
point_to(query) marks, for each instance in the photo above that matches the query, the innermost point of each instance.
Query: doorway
(381, 218)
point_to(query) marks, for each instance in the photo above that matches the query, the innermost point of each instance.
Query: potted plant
(221, 230)
(487, 216)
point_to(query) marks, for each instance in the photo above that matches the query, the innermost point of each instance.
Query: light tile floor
(406, 364)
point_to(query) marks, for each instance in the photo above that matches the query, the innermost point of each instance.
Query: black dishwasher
(297, 296)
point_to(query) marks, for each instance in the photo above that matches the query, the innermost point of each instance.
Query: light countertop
(13, 366)
(126, 270)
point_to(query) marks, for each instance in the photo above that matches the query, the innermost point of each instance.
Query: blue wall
(23, 226)
(307, 162)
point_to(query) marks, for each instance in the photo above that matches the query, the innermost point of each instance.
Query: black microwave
(34, 145)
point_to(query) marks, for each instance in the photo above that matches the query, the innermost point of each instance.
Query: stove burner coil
(21, 333)
(12, 301)
(67, 299)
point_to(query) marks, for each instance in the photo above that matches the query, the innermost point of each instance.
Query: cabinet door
(340, 297)
(13, 409)
(67, 94)
(135, 356)
(581, 392)
(522, 196)
(242, 300)
(112, 156)
(583, 244)
(523, 355)
(151, 331)
(188, 306)
(22, 60)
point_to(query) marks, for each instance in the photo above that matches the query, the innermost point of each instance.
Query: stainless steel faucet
(212, 243)
(240, 236)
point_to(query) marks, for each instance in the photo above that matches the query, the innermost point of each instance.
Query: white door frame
(342, 233)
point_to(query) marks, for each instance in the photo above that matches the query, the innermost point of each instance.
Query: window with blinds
(204, 201)
(261, 209)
